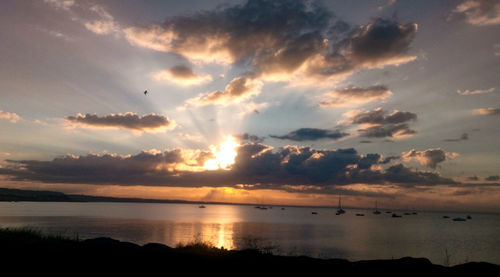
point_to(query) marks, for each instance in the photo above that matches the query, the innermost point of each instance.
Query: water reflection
(293, 231)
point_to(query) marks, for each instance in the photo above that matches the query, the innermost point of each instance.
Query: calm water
(293, 231)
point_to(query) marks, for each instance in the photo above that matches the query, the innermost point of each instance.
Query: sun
(224, 153)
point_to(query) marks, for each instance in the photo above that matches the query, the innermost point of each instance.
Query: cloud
(12, 117)
(246, 137)
(382, 43)
(105, 24)
(478, 12)
(60, 4)
(291, 41)
(430, 157)
(492, 178)
(464, 136)
(477, 91)
(182, 75)
(352, 96)
(145, 123)
(239, 89)
(378, 123)
(256, 165)
(304, 134)
(487, 111)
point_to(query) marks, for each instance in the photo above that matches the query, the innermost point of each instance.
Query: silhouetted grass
(27, 250)
(27, 234)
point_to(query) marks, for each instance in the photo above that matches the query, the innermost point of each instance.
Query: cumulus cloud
(464, 136)
(430, 157)
(145, 123)
(12, 117)
(239, 89)
(479, 12)
(352, 96)
(257, 165)
(182, 75)
(487, 111)
(304, 134)
(285, 40)
(474, 92)
(379, 123)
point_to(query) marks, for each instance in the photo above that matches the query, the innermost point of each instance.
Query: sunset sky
(279, 102)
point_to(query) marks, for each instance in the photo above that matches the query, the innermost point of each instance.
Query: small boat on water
(340, 210)
(376, 209)
(314, 213)
(407, 213)
(459, 219)
(201, 206)
(388, 212)
(395, 215)
(360, 214)
(469, 217)
(445, 216)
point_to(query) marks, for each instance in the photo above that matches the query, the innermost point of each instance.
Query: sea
(314, 232)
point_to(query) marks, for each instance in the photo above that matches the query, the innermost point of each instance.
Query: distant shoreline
(57, 254)
(20, 195)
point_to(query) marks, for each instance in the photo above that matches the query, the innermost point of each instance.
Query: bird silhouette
(145, 92)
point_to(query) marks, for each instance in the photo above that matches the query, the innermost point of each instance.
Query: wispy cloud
(479, 12)
(12, 117)
(487, 111)
(60, 4)
(476, 91)
(182, 75)
(305, 134)
(239, 89)
(353, 96)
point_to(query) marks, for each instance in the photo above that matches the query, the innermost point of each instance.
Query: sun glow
(224, 153)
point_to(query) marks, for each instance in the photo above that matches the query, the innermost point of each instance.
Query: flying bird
(145, 92)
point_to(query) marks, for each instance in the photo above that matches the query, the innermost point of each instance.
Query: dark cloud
(304, 134)
(380, 124)
(286, 40)
(430, 157)
(131, 121)
(380, 117)
(249, 138)
(478, 12)
(381, 42)
(255, 164)
(464, 136)
(354, 96)
(492, 178)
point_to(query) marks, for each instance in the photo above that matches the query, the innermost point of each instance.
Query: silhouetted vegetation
(29, 251)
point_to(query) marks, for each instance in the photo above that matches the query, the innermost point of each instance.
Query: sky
(277, 102)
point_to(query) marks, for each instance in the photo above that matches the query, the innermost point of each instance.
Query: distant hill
(52, 196)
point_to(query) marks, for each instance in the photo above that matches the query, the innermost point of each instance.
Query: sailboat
(340, 210)
(376, 209)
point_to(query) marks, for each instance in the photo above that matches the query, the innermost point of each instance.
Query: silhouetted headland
(30, 251)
